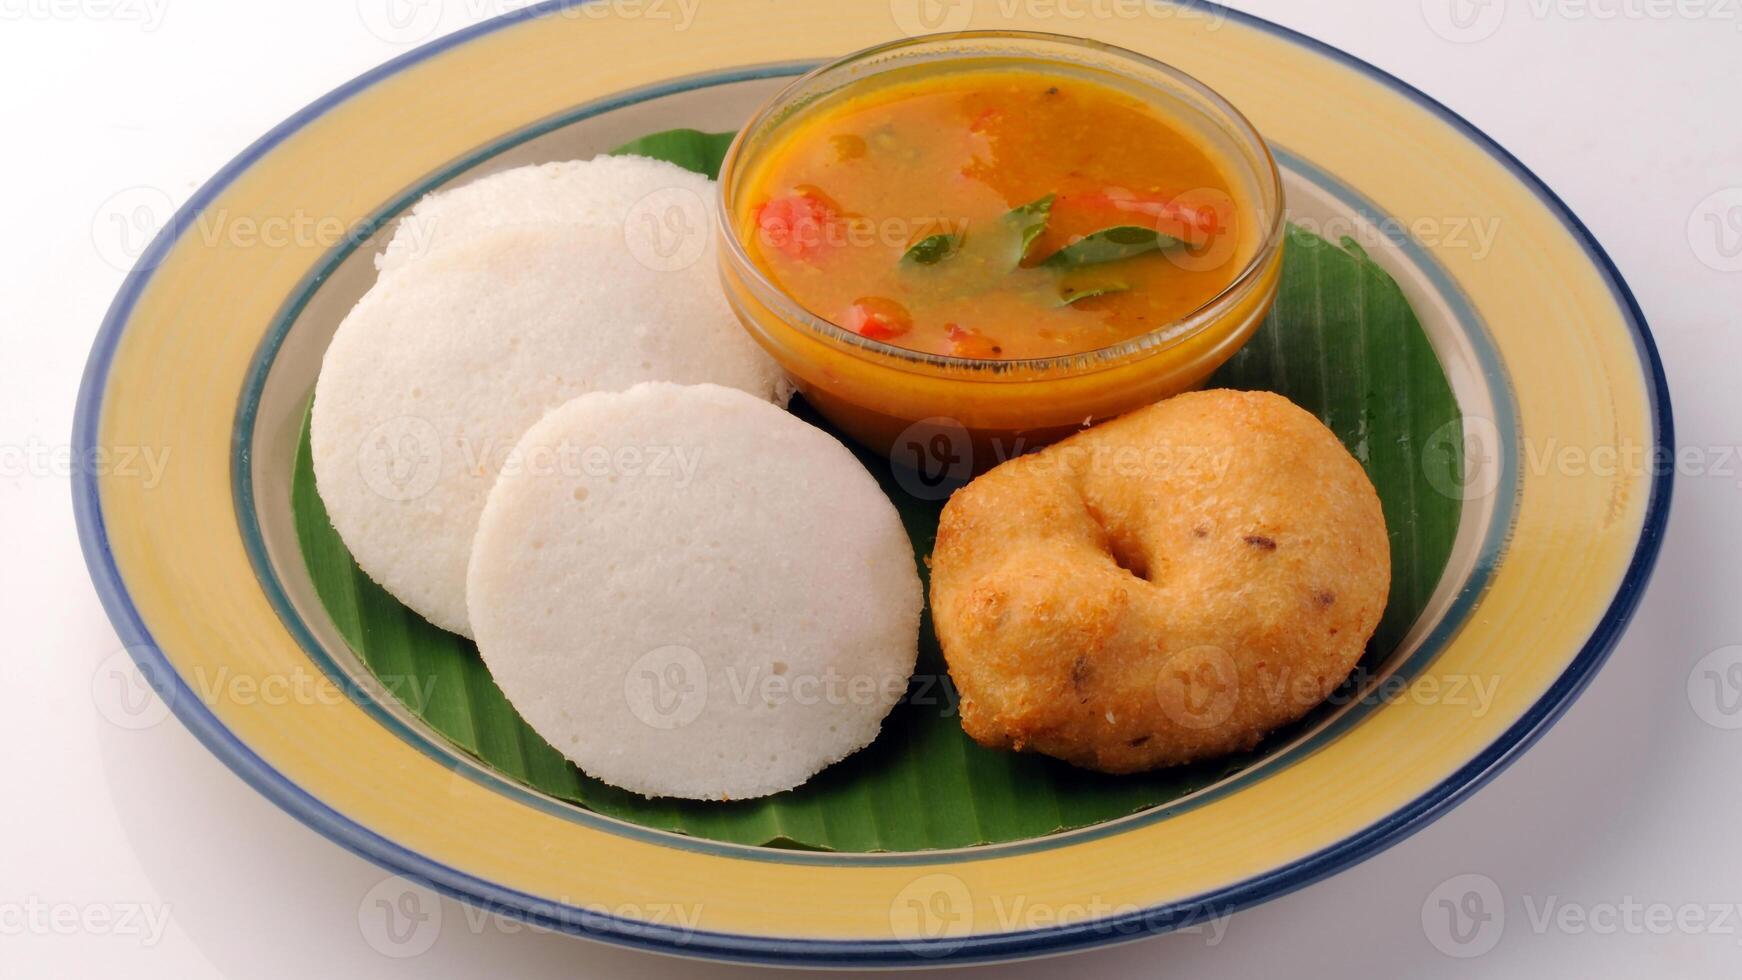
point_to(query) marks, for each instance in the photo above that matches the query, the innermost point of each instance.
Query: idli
(443, 365)
(668, 210)
(692, 593)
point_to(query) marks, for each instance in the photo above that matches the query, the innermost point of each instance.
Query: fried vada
(1166, 587)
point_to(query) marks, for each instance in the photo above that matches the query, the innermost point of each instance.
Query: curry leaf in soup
(992, 253)
(931, 249)
(982, 258)
(1111, 245)
(1029, 221)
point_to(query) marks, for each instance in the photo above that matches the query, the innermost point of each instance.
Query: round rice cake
(668, 211)
(692, 593)
(445, 362)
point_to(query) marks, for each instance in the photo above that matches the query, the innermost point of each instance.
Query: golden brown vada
(1166, 587)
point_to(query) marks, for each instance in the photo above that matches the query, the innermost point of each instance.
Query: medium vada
(1167, 587)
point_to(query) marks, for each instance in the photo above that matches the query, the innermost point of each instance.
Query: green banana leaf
(1342, 342)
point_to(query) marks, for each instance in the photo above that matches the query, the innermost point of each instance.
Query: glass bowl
(899, 401)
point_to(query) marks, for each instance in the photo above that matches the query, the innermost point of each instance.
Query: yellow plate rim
(158, 669)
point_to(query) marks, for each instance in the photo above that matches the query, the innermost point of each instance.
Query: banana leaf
(1342, 342)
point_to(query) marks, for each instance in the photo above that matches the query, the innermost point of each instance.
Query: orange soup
(1001, 213)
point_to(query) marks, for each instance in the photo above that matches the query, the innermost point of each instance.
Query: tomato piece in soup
(1179, 216)
(968, 342)
(877, 318)
(797, 224)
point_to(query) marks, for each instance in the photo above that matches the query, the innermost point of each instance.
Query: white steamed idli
(443, 365)
(607, 191)
(692, 593)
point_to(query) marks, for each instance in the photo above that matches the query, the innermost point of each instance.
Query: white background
(1626, 107)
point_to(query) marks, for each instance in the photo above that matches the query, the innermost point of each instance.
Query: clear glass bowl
(891, 398)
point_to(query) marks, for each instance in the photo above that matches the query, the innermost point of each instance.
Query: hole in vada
(1124, 548)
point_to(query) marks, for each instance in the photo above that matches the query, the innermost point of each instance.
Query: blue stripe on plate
(112, 590)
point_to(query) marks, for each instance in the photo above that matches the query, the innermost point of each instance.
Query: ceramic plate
(211, 348)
